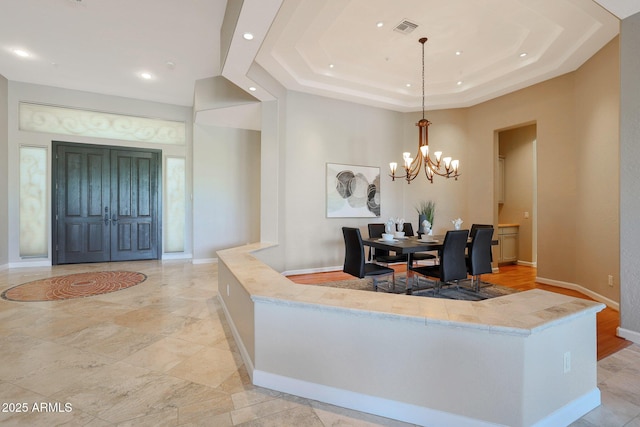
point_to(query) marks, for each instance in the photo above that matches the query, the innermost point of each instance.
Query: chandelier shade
(438, 165)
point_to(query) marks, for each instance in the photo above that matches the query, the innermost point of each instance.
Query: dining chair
(474, 228)
(354, 260)
(381, 256)
(479, 259)
(452, 267)
(418, 256)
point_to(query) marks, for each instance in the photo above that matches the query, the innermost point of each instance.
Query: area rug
(426, 288)
(70, 286)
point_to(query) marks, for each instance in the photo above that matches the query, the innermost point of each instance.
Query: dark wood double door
(106, 203)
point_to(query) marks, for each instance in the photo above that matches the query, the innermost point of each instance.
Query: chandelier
(441, 166)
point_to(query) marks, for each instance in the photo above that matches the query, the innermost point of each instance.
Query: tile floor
(161, 354)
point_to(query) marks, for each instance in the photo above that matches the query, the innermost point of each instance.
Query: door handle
(114, 219)
(106, 215)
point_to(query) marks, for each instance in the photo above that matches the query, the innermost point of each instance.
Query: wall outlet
(567, 362)
(526, 215)
(610, 280)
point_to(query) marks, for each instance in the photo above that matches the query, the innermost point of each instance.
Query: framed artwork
(353, 191)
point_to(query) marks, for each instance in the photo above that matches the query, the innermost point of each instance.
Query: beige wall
(4, 167)
(564, 254)
(597, 156)
(517, 148)
(550, 105)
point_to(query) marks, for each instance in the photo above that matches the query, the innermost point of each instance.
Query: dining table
(409, 245)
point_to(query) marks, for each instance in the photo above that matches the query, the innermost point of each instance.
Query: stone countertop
(523, 313)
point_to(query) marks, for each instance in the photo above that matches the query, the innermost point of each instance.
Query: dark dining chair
(474, 228)
(452, 267)
(479, 259)
(418, 256)
(381, 256)
(354, 260)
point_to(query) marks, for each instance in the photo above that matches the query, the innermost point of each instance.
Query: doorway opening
(106, 203)
(517, 194)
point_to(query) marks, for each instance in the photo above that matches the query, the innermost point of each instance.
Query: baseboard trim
(311, 270)
(319, 270)
(365, 403)
(411, 413)
(572, 410)
(566, 285)
(205, 261)
(628, 334)
(527, 263)
(30, 264)
(176, 255)
(238, 339)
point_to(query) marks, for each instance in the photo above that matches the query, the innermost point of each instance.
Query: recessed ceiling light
(331, 65)
(146, 75)
(523, 54)
(408, 85)
(379, 24)
(247, 36)
(252, 88)
(21, 53)
(458, 52)
(459, 83)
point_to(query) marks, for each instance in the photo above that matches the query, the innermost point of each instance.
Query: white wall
(272, 182)
(320, 130)
(413, 354)
(4, 167)
(226, 175)
(88, 101)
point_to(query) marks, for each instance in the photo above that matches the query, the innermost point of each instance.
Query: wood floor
(521, 278)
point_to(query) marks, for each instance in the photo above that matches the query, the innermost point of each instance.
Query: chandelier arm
(435, 167)
(413, 170)
(415, 166)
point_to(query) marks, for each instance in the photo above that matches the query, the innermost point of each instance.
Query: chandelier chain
(423, 81)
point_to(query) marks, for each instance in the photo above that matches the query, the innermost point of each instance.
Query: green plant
(427, 208)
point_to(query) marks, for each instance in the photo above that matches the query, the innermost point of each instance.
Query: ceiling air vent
(405, 27)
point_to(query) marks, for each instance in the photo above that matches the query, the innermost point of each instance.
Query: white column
(630, 178)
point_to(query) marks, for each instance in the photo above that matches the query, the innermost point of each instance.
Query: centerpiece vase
(421, 219)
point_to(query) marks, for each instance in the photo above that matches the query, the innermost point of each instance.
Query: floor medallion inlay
(77, 285)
